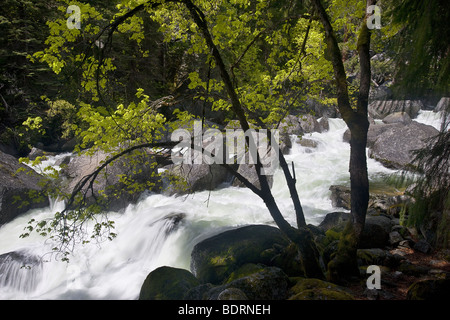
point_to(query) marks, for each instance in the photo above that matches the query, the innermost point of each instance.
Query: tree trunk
(344, 262)
(359, 181)
(302, 237)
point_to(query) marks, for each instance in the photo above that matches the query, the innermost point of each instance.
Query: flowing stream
(161, 230)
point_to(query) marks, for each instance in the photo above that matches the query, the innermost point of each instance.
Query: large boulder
(216, 258)
(443, 105)
(394, 145)
(20, 189)
(380, 109)
(392, 141)
(195, 174)
(376, 232)
(309, 123)
(248, 171)
(268, 157)
(340, 196)
(270, 283)
(320, 110)
(429, 290)
(194, 177)
(334, 219)
(375, 130)
(380, 93)
(109, 190)
(298, 125)
(376, 229)
(397, 117)
(381, 201)
(290, 125)
(167, 283)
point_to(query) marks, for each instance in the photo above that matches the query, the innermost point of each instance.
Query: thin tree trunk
(301, 237)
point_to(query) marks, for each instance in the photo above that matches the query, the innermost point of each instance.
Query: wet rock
(20, 189)
(443, 105)
(340, 196)
(167, 283)
(108, 190)
(394, 146)
(324, 124)
(285, 143)
(216, 258)
(308, 143)
(333, 219)
(194, 178)
(290, 125)
(309, 123)
(375, 130)
(397, 117)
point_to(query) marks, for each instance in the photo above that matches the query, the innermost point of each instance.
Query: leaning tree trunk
(344, 263)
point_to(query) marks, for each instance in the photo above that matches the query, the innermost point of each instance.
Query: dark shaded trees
(421, 47)
(22, 32)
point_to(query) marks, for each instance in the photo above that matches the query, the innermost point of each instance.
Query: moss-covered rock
(343, 263)
(215, 259)
(167, 283)
(322, 294)
(371, 256)
(289, 260)
(375, 234)
(271, 283)
(245, 270)
(411, 269)
(232, 294)
(429, 290)
(315, 289)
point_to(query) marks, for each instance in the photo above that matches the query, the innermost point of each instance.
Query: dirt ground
(395, 284)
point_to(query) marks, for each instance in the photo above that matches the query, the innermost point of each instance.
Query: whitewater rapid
(147, 238)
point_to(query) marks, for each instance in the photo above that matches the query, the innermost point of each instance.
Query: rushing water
(161, 230)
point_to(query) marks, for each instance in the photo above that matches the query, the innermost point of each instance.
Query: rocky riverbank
(257, 262)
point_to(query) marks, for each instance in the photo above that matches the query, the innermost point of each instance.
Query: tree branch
(336, 59)
(92, 176)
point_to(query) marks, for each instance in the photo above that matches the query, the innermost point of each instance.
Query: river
(148, 239)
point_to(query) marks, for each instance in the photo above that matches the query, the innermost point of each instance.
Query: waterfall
(20, 271)
(161, 230)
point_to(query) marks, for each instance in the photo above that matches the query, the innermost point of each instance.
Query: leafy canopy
(275, 53)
